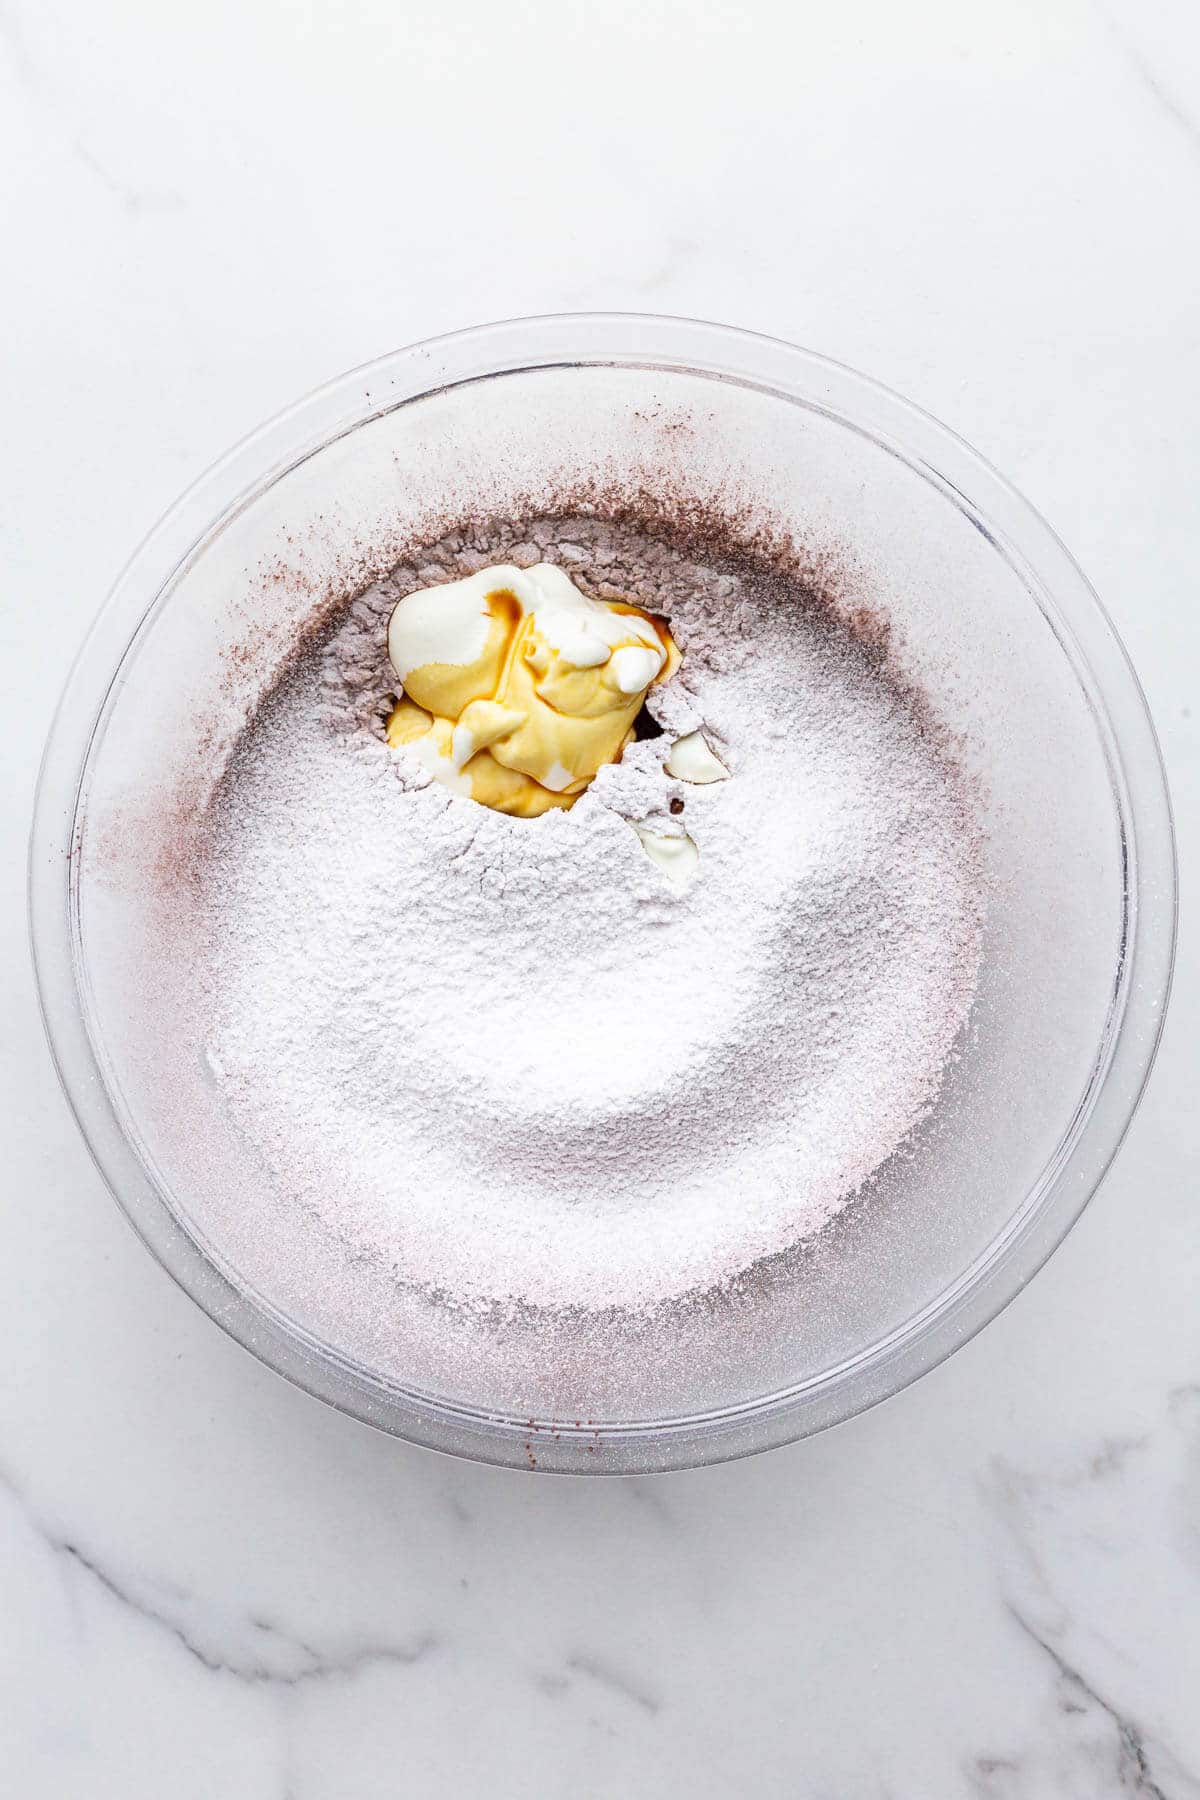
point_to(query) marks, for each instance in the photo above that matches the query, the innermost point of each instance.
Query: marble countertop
(212, 1586)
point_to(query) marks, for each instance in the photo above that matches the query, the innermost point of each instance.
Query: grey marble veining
(989, 1587)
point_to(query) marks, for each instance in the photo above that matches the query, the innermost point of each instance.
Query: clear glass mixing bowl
(1018, 658)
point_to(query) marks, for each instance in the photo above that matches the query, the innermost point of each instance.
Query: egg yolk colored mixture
(518, 688)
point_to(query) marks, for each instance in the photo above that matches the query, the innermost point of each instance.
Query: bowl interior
(970, 624)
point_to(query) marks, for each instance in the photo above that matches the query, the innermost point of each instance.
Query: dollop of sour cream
(517, 686)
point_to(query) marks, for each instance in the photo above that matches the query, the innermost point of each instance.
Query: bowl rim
(1017, 532)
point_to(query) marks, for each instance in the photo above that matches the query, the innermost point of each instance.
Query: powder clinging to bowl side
(509, 1058)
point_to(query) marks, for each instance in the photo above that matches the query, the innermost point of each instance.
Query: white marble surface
(212, 1587)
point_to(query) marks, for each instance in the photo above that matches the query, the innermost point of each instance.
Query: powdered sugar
(507, 1057)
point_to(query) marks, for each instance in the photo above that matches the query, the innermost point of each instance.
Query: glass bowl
(1019, 661)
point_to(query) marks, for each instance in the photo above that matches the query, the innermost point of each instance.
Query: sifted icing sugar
(512, 1060)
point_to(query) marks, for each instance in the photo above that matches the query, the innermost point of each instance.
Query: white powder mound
(508, 1057)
